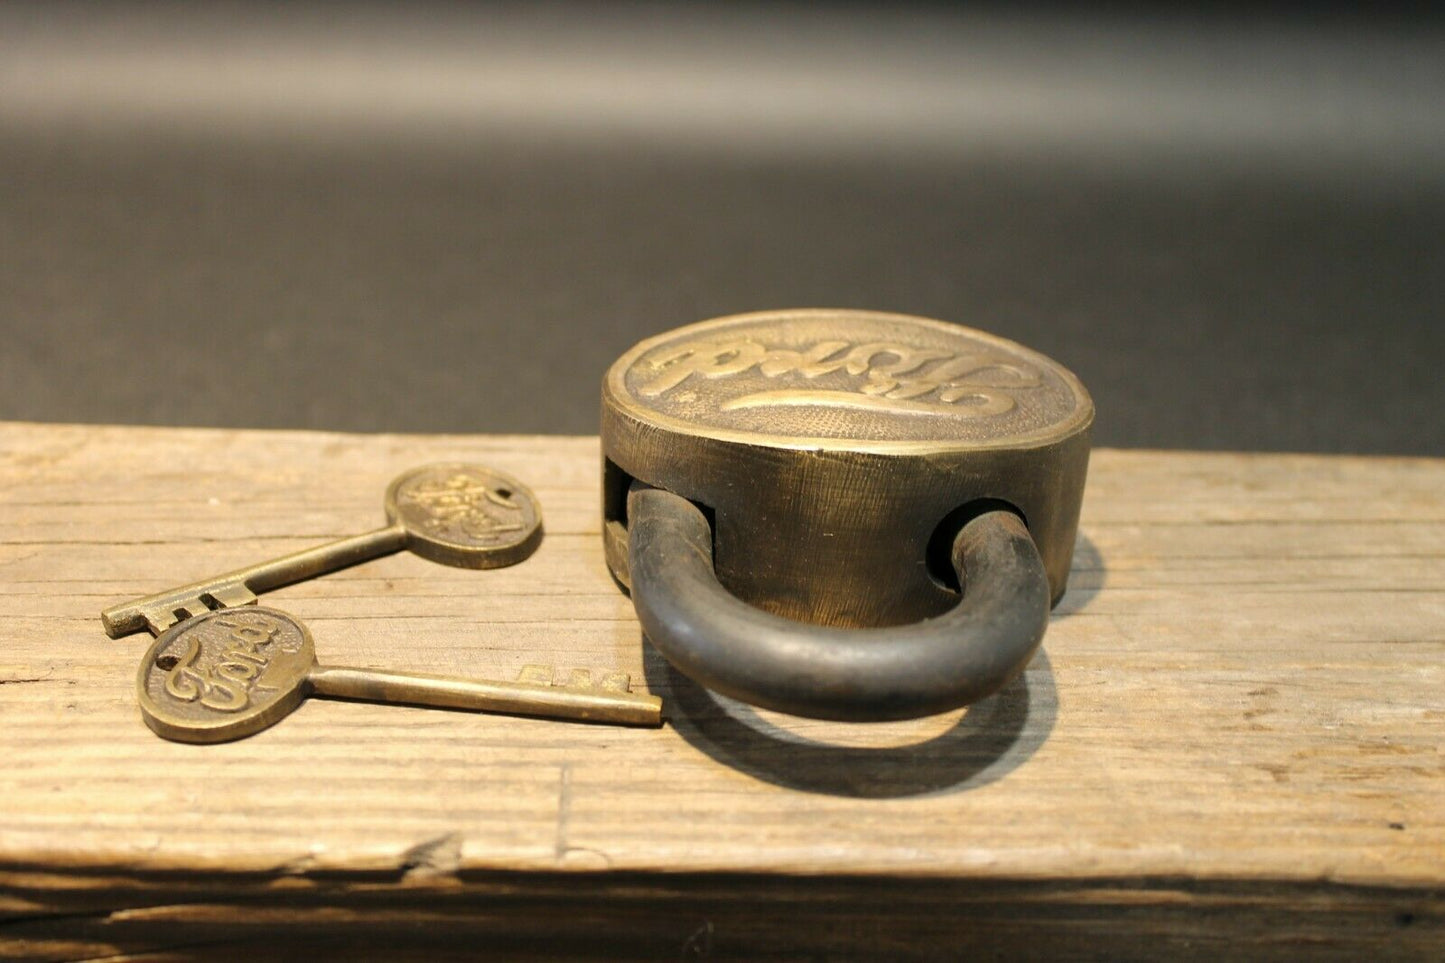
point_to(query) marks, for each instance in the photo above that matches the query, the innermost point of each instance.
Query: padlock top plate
(844, 379)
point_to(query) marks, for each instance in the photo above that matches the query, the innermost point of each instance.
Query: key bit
(577, 679)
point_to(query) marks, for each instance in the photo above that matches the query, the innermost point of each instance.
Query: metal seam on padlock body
(875, 674)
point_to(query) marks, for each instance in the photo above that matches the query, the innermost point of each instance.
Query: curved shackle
(897, 672)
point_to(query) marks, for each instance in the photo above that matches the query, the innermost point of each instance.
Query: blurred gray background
(1231, 224)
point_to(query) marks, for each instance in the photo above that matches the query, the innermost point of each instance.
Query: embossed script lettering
(896, 377)
(465, 504)
(223, 682)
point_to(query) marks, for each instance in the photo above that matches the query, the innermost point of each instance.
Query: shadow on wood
(988, 741)
(1087, 576)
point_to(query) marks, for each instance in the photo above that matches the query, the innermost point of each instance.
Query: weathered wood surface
(1232, 738)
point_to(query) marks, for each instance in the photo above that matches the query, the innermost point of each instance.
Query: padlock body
(836, 451)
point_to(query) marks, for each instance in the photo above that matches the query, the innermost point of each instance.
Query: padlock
(842, 514)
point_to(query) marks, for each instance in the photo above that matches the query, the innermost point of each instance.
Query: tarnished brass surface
(839, 452)
(469, 516)
(224, 675)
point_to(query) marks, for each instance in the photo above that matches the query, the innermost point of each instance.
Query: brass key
(462, 515)
(224, 675)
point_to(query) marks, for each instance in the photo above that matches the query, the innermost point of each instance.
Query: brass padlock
(842, 514)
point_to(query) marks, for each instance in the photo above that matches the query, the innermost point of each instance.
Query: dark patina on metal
(774, 482)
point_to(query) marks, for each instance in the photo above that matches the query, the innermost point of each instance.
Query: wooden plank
(1231, 738)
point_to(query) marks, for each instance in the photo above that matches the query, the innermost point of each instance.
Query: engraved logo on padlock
(836, 457)
(886, 376)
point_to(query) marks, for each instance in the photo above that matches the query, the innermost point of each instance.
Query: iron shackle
(825, 672)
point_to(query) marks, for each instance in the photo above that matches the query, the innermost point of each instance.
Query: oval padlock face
(847, 380)
(836, 450)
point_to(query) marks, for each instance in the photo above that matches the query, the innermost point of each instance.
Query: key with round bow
(467, 516)
(227, 674)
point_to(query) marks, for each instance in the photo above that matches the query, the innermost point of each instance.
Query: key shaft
(160, 611)
(582, 702)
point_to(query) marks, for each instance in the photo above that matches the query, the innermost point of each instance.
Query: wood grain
(1231, 740)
